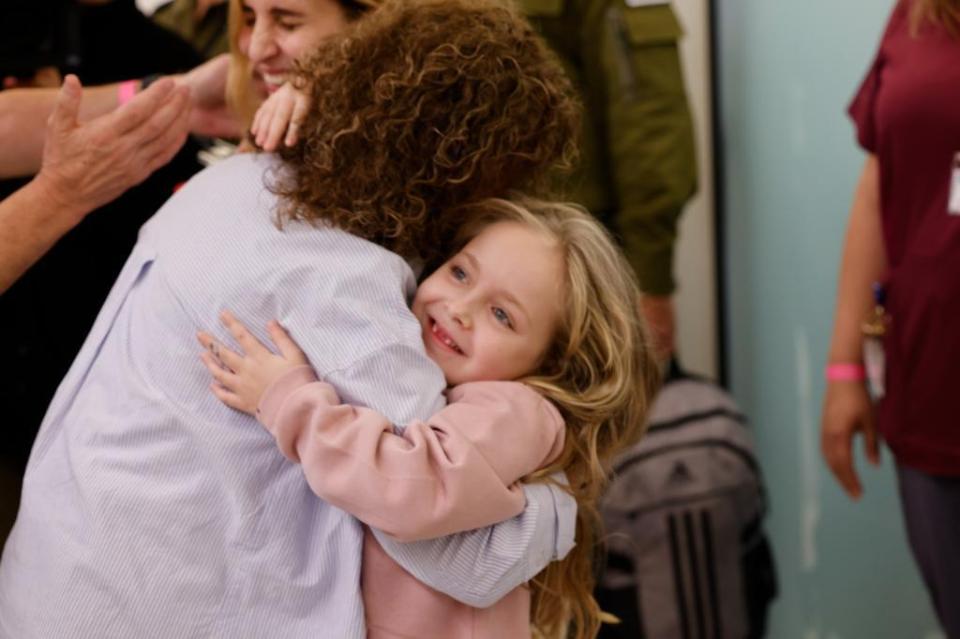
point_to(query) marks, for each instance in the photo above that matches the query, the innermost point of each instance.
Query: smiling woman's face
(276, 33)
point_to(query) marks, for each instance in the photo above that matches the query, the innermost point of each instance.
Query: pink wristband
(126, 91)
(845, 373)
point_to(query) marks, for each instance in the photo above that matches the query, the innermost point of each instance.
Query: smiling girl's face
(491, 311)
(276, 33)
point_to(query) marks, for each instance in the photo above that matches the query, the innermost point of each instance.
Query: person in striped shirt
(149, 509)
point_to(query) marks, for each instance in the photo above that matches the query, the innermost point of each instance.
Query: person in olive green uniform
(638, 166)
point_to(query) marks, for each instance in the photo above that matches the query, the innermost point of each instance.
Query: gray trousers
(931, 508)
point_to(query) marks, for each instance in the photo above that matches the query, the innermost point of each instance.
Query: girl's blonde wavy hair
(599, 372)
(943, 12)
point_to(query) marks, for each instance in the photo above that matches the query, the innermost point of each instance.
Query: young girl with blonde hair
(534, 323)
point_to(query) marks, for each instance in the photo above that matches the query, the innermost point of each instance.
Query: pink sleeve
(458, 471)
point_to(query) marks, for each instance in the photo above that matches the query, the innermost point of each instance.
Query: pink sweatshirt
(458, 471)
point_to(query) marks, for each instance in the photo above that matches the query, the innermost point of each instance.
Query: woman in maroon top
(904, 231)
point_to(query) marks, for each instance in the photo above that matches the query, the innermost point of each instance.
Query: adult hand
(846, 411)
(210, 116)
(87, 165)
(659, 313)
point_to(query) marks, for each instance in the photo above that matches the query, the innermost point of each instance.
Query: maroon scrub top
(907, 113)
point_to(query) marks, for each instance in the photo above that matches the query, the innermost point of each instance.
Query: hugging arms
(171, 514)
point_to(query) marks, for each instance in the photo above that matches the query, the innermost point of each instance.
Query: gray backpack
(686, 556)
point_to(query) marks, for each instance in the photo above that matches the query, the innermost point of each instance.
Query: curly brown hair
(421, 106)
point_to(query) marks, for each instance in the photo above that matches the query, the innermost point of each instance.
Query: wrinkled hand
(658, 311)
(87, 165)
(280, 117)
(210, 116)
(242, 378)
(847, 411)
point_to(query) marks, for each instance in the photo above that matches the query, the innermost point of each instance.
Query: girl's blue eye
(458, 273)
(502, 317)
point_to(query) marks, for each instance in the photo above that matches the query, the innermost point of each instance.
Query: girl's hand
(279, 117)
(242, 378)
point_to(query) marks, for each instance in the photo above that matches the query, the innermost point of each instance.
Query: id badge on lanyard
(953, 204)
(874, 330)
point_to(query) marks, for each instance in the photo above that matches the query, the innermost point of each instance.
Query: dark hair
(421, 106)
(353, 9)
(28, 36)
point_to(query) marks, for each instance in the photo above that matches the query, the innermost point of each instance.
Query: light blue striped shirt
(151, 510)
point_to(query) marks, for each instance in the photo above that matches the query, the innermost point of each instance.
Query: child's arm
(279, 117)
(455, 472)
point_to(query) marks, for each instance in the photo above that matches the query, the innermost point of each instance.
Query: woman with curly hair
(149, 508)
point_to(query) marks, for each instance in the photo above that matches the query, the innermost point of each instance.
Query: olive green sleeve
(648, 132)
(209, 36)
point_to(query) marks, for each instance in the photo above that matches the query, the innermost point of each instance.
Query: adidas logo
(679, 474)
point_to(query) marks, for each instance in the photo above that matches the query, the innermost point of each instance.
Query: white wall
(787, 72)
(696, 298)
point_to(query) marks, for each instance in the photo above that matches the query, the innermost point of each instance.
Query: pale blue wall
(787, 70)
